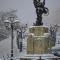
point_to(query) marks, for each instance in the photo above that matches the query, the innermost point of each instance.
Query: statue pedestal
(39, 40)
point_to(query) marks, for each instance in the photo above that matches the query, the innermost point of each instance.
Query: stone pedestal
(39, 40)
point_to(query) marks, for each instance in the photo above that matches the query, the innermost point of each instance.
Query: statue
(40, 9)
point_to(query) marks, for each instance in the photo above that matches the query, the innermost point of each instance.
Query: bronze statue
(40, 9)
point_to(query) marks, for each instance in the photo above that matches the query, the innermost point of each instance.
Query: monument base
(39, 40)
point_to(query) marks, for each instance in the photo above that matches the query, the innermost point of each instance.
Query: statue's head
(38, 0)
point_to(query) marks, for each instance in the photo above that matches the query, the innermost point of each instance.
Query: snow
(38, 26)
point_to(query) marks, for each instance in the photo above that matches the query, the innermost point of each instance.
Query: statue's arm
(43, 2)
(46, 11)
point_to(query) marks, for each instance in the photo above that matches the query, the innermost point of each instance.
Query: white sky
(26, 10)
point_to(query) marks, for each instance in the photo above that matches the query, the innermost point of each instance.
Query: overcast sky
(26, 10)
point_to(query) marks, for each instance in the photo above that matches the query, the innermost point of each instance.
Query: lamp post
(12, 24)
